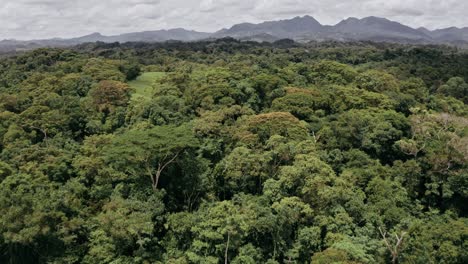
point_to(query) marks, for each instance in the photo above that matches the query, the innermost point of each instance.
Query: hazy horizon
(43, 19)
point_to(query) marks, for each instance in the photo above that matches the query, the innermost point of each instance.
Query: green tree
(149, 151)
(377, 81)
(259, 128)
(332, 72)
(455, 87)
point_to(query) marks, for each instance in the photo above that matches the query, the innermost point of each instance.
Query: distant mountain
(424, 30)
(306, 28)
(452, 34)
(375, 28)
(89, 38)
(159, 36)
(263, 37)
(301, 29)
(145, 36)
(289, 28)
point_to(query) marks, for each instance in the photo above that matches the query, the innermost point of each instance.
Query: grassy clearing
(143, 85)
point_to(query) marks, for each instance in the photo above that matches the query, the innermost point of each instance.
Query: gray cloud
(405, 12)
(32, 19)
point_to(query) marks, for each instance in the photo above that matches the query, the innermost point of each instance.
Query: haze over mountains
(301, 29)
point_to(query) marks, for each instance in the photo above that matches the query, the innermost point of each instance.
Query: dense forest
(234, 152)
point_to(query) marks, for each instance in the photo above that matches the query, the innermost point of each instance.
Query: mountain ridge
(300, 28)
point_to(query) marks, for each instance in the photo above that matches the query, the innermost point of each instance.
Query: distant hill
(159, 36)
(374, 28)
(302, 29)
(281, 29)
(452, 34)
(145, 36)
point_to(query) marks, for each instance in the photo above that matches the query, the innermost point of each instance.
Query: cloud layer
(33, 19)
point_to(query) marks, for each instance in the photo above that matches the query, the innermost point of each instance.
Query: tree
(374, 131)
(308, 177)
(149, 151)
(332, 72)
(130, 69)
(102, 69)
(38, 219)
(415, 87)
(264, 84)
(438, 141)
(218, 230)
(107, 95)
(436, 238)
(303, 103)
(242, 170)
(259, 128)
(455, 87)
(377, 81)
(332, 255)
(5, 170)
(125, 228)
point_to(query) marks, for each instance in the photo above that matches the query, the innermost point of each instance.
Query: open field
(143, 85)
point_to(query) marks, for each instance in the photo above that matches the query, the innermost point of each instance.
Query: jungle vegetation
(234, 152)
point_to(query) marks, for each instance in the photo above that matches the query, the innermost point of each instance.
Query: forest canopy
(234, 152)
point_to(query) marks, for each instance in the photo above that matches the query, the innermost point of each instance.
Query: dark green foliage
(455, 87)
(234, 152)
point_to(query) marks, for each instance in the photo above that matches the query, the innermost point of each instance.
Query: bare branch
(384, 236)
(161, 167)
(393, 250)
(170, 161)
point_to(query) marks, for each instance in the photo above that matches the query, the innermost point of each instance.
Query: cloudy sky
(32, 19)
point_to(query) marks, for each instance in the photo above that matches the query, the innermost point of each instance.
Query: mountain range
(301, 29)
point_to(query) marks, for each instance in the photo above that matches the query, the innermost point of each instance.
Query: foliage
(235, 152)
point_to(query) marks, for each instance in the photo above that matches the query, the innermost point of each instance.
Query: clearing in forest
(144, 84)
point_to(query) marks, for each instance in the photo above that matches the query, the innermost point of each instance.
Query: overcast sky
(32, 19)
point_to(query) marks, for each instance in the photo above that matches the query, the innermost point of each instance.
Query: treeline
(241, 152)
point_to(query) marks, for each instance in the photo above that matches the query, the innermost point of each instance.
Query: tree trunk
(161, 165)
(226, 251)
(156, 179)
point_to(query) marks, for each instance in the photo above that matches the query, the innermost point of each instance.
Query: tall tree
(149, 151)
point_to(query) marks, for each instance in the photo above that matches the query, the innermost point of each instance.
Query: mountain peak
(424, 30)
(94, 34)
(377, 28)
(365, 20)
(375, 18)
(305, 21)
(349, 20)
(305, 18)
(287, 28)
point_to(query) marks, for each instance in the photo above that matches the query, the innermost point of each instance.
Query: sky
(37, 19)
